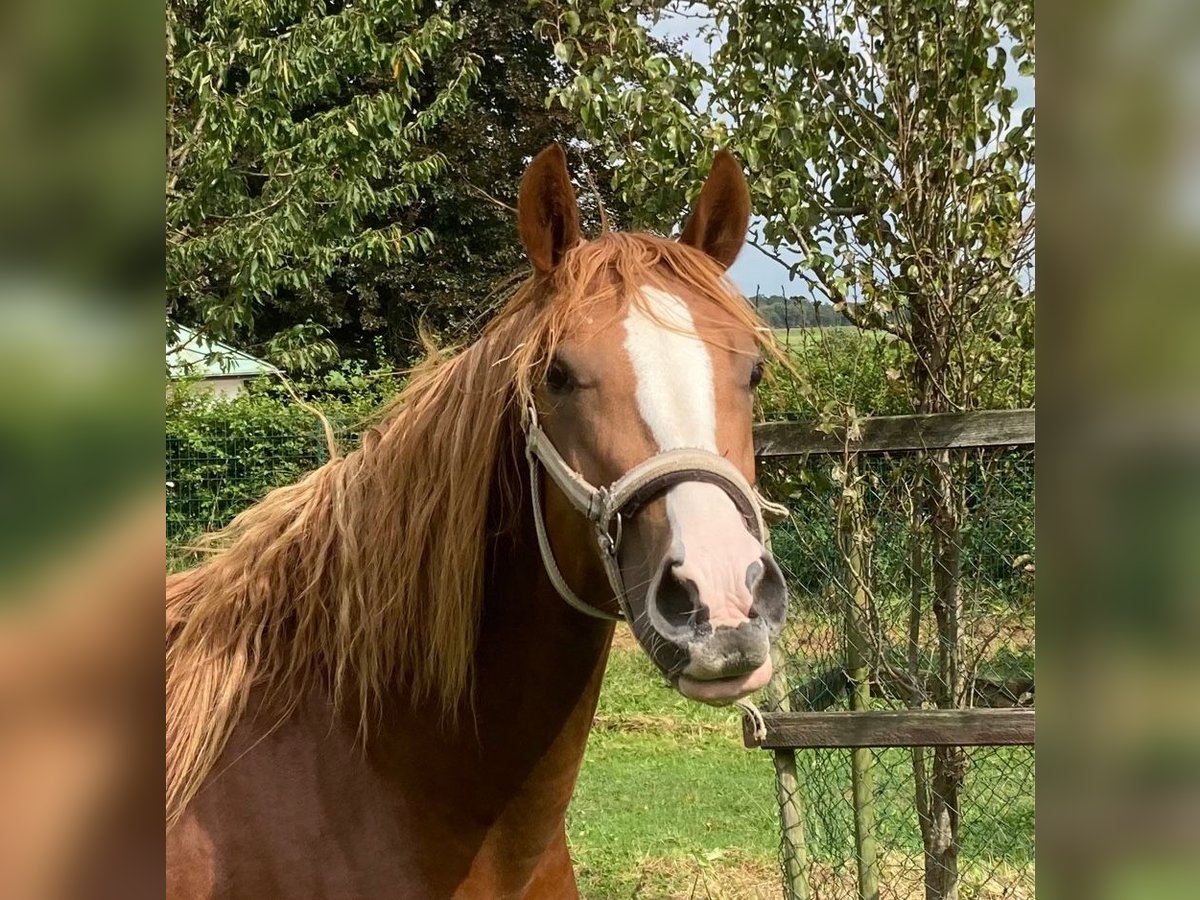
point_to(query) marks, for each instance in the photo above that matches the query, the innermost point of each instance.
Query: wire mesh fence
(911, 577)
(222, 456)
(215, 475)
(996, 856)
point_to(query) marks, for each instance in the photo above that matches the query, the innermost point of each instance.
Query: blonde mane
(369, 572)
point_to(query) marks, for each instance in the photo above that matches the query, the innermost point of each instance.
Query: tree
(784, 312)
(469, 207)
(882, 146)
(295, 147)
(338, 174)
(885, 148)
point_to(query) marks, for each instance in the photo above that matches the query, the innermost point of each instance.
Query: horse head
(639, 435)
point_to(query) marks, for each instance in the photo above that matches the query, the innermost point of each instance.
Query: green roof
(193, 354)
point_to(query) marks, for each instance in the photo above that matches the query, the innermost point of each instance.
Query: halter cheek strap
(548, 560)
(606, 508)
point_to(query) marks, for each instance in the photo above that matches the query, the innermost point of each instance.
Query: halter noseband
(606, 508)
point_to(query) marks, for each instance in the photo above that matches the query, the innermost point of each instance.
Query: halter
(607, 508)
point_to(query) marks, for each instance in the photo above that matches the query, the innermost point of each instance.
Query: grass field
(671, 805)
(668, 800)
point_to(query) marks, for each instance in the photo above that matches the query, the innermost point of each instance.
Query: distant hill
(794, 312)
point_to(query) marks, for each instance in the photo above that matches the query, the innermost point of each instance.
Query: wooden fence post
(787, 791)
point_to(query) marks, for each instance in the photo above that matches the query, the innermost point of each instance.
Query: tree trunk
(941, 821)
(941, 840)
(794, 846)
(787, 791)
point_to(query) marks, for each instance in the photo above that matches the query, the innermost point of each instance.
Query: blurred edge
(80, 482)
(81, 381)
(1119, 429)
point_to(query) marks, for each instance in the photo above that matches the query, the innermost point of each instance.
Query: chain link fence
(995, 832)
(912, 587)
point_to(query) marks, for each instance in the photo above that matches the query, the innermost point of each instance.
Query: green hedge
(223, 455)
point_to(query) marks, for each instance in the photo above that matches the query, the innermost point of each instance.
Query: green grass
(635, 804)
(670, 804)
(666, 791)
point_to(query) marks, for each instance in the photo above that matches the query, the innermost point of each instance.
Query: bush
(835, 366)
(223, 455)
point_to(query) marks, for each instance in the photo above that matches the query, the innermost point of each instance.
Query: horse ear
(547, 214)
(722, 215)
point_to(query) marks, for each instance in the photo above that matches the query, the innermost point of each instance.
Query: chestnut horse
(374, 685)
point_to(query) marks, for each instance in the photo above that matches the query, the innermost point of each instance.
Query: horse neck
(539, 663)
(511, 758)
(538, 669)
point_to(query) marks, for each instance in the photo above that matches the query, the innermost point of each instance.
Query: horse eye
(558, 378)
(756, 374)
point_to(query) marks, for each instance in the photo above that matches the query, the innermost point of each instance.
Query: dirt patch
(902, 878)
(637, 723)
(708, 875)
(623, 639)
(730, 874)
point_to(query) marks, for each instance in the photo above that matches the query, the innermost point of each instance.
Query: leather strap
(607, 507)
(548, 560)
(655, 486)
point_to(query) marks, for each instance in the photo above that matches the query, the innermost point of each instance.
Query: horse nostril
(769, 590)
(676, 598)
(754, 575)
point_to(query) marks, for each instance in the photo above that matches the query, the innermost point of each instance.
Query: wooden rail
(894, 728)
(936, 431)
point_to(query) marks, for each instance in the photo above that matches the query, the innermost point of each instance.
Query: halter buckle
(610, 543)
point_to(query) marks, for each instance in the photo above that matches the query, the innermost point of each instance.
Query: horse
(382, 680)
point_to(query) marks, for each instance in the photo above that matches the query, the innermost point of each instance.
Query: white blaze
(677, 400)
(674, 373)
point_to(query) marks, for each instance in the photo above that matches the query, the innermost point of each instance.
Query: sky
(753, 271)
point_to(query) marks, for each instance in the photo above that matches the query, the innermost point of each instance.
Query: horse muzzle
(713, 637)
(727, 664)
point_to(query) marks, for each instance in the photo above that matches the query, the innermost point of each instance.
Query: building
(214, 366)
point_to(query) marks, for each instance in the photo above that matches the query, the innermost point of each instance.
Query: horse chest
(304, 813)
